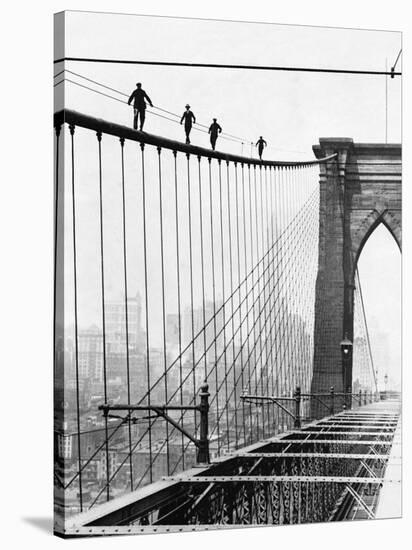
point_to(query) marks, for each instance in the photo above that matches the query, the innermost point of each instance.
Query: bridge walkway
(341, 467)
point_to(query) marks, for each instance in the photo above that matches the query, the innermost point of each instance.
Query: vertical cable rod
(162, 272)
(252, 262)
(179, 308)
(76, 334)
(244, 224)
(99, 141)
(202, 265)
(229, 217)
(212, 246)
(126, 312)
(222, 259)
(146, 292)
(189, 203)
(240, 296)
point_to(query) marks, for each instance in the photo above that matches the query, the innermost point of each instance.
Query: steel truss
(283, 480)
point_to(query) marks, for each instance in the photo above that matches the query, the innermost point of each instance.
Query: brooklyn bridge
(227, 378)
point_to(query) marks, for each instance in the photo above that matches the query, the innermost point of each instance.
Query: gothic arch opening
(367, 228)
(379, 268)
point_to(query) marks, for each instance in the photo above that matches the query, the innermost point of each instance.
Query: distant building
(90, 354)
(116, 324)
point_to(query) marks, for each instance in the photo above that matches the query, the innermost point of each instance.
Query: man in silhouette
(214, 130)
(139, 105)
(188, 117)
(261, 144)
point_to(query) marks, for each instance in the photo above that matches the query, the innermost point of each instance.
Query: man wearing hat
(139, 106)
(188, 117)
(261, 144)
(214, 130)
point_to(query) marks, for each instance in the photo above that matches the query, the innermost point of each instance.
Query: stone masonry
(358, 191)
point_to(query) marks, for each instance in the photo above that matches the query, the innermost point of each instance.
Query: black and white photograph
(205, 275)
(228, 236)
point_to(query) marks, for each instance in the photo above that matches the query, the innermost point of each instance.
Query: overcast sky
(290, 109)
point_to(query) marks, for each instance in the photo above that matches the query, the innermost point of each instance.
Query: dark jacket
(139, 97)
(188, 117)
(214, 129)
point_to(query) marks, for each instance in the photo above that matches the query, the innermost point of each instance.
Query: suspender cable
(214, 301)
(229, 218)
(189, 202)
(268, 247)
(126, 311)
(292, 287)
(76, 334)
(261, 291)
(268, 313)
(222, 259)
(240, 295)
(285, 261)
(99, 141)
(274, 275)
(366, 329)
(303, 241)
(274, 278)
(302, 223)
(56, 219)
(252, 258)
(202, 261)
(246, 270)
(146, 291)
(276, 228)
(179, 308)
(289, 370)
(159, 151)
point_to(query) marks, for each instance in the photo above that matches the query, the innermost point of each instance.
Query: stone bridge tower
(358, 191)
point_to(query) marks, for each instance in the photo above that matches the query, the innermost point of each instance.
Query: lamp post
(385, 379)
(346, 353)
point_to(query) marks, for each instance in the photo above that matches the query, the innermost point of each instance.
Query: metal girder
(390, 417)
(364, 414)
(313, 455)
(360, 501)
(145, 529)
(316, 432)
(330, 441)
(368, 468)
(286, 486)
(354, 424)
(278, 479)
(353, 421)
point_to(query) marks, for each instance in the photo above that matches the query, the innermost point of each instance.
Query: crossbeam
(357, 456)
(331, 432)
(353, 423)
(364, 414)
(282, 479)
(330, 441)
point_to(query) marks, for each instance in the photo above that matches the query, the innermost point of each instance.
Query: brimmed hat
(187, 105)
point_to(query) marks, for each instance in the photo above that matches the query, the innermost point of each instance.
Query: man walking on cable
(214, 130)
(188, 117)
(139, 105)
(261, 144)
